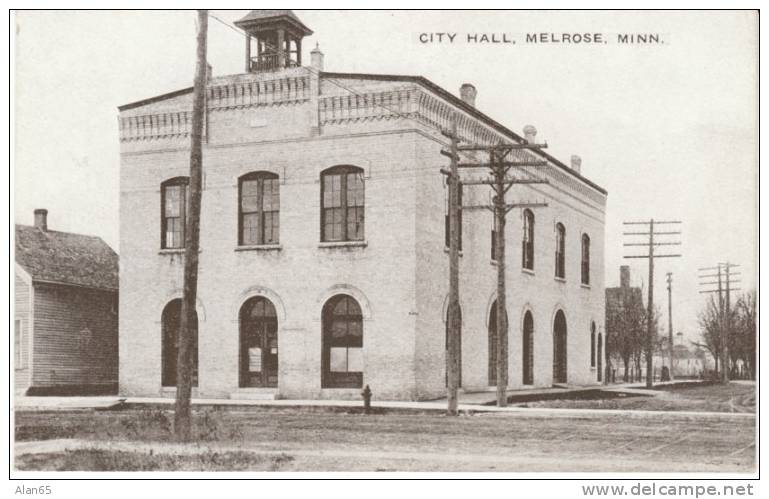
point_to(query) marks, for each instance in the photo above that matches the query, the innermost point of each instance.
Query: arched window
(493, 338)
(171, 323)
(559, 348)
(600, 356)
(585, 259)
(342, 204)
(592, 344)
(528, 349)
(560, 251)
(528, 240)
(258, 343)
(173, 212)
(342, 349)
(258, 209)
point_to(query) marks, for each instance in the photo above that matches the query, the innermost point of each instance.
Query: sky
(670, 130)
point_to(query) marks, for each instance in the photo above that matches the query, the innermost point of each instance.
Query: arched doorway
(170, 325)
(559, 348)
(342, 343)
(493, 344)
(528, 349)
(258, 343)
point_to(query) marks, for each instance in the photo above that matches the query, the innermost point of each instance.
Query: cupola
(276, 36)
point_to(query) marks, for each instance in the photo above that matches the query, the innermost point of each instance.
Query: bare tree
(709, 320)
(625, 328)
(742, 340)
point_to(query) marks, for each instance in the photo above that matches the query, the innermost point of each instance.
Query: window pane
(271, 227)
(338, 359)
(249, 195)
(355, 189)
(332, 191)
(339, 331)
(250, 228)
(355, 359)
(355, 223)
(271, 195)
(173, 200)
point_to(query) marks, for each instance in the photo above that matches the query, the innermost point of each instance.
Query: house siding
(75, 340)
(22, 313)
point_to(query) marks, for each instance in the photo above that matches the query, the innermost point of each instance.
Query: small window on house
(342, 204)
(258, 209)
(585, 259)
(528, 240)
(17, 345)
(173, 205)
(560, 251)
(447, 227)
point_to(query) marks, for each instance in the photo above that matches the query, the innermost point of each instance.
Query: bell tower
(277, 37)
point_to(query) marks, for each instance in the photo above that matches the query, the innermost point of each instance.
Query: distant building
(622, 303)
(66, 312)
(323, 262)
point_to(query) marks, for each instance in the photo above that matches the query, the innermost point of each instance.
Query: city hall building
(323, 259)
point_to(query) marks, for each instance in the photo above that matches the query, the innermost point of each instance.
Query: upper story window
(560, 251)
(342, 204)
(585, 259)
(528, 240)
(174, 197)
(258, 209)
(447, 228)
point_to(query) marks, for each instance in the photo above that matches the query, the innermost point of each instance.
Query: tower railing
(271, 62)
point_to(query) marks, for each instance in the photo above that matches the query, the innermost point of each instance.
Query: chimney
(530, 134)
(41, 219)
(624, 276)
(316, 58)
(576, 163)
(468, 93)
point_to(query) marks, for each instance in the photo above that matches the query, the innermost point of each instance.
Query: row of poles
(501, 180)
(725, 279)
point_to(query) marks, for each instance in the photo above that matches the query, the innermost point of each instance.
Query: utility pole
(182, 409)
(454, 319)
(650, 330)
(725, 279)
(500, 183)
(670, 323)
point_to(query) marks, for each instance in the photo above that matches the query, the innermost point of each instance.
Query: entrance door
(258, 344)
(559, 348)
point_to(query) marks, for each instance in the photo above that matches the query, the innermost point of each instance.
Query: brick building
(323, 264)
(65, 313)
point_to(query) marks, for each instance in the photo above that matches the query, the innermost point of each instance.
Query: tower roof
(257, 18)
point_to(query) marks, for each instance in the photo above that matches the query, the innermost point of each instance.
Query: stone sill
(260, 247)
(343, 244)
(585, 286)
(528, 271)
(560, 279)
(174, 251)
(448, 250)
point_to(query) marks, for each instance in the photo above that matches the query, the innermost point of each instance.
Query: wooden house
(66, 312)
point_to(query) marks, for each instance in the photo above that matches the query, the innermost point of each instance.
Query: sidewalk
(106, 403)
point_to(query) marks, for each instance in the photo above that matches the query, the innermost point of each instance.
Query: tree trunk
(182, 412)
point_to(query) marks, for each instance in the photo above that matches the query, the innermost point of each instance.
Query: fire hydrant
(366, 394)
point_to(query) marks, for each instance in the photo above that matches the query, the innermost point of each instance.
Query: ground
(734, 397)
(317, 439)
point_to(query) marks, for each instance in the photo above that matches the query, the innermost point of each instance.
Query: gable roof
(66, 258)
